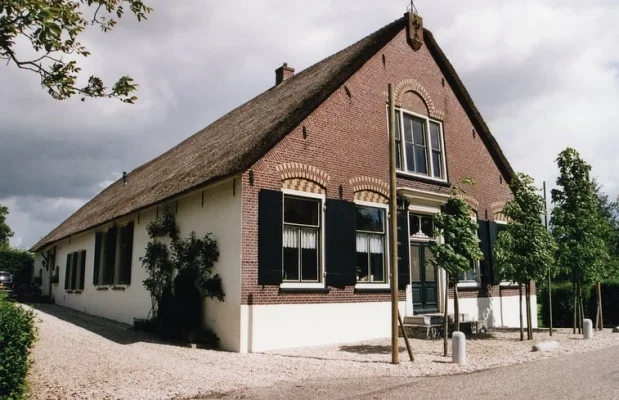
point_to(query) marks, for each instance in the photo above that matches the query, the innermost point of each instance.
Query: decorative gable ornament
(414, 31)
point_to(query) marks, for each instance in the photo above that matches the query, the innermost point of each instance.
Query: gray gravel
(83, 357)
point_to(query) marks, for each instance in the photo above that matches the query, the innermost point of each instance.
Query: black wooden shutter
(82, 269)
(95, 270)
(74, 268)
(493, 233)
(403, 237)
(485, 265)
(127, 254)
(341, 242)
(270, 240)
(67, 272)
(110, 261)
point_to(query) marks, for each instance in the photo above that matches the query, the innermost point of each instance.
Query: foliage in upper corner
(52, 30)
(180, 277)
(525, 250)
(460, 245)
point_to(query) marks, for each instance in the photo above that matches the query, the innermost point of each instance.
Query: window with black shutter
(67, 272)
(113, 256)
(110, 256)
(74, 269)
(82, 269)
(301, 239)
(494, 229)
(125, 242)
(99, 243)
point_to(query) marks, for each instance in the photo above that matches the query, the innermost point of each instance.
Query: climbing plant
(180, 277)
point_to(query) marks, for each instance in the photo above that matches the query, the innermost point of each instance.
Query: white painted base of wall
(270, 327)
(497, 311)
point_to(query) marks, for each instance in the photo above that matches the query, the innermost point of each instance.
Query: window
(75, 270)
(421, 226)
(371, 244)
(301, 239)
(113, 256)
(471, 277)
(419, 146)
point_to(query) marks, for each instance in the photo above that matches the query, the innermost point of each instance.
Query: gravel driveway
(84, 357)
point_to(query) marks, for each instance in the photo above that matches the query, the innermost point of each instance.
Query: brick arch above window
(497, 211)
(471, 201)
(369, 184)
(300, 172)
(371, 197)
(411, 85)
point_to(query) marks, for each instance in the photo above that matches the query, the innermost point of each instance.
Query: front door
(423, 279)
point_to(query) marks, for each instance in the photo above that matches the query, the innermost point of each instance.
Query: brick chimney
(414, 30)
(282, 73)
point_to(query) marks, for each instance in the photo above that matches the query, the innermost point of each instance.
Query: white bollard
(458, 348)
(587, 328)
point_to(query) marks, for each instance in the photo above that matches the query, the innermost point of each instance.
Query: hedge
(562, 313)
(17, 336)
(19, 263)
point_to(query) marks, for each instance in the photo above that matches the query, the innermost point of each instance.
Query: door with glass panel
(423, 279)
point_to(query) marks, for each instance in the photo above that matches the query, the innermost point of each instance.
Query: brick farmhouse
(294, 186)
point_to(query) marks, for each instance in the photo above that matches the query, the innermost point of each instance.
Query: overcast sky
(544, 75)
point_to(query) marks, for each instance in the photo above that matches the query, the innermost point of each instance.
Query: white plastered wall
(500, 311)
(219, 213)
(271, 327)
(41, 270)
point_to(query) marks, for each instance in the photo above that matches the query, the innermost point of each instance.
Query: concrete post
(458, 348)
(587, 329)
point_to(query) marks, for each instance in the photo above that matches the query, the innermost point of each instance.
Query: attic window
(420, 150)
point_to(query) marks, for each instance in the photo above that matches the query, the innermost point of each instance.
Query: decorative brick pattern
(360, 183)
(470, 200)
(408, 85)
(497, 211)
(293, 170)
(303, 185)
(371, 197)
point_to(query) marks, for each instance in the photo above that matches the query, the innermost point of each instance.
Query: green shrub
(562, 299)
(17, 335)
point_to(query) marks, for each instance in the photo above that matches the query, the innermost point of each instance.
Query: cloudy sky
(544, 74)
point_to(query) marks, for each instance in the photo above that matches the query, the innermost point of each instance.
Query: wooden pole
(549, 277)
(408, 345)
(395, 355)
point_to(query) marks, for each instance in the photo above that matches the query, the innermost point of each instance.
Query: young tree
(608, 213)
(525, 250)
(457, 249)
(5, 230)
(52, 29)
(576, 227)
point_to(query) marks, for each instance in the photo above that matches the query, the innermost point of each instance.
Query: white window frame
(387, 283)
(322, 273)
(427, 119)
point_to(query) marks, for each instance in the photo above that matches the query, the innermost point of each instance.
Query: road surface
(592, 375)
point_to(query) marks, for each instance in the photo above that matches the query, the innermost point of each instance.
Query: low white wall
(270, 327)
(497, 311)
(219, 214)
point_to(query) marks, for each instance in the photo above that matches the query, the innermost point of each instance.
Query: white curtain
(309, 238)
(377, 243)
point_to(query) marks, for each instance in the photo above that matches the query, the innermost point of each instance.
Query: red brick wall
(347, 137)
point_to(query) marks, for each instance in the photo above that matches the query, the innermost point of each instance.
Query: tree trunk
(521, 325)
(456, 309)
(600, 305)
(529, 314)
(575, 309)
(446, 316)
(597, 307)
(582, 310)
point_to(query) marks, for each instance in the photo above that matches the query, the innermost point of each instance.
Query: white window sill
(414, 175)
(302, 285)
(372, 286)
(469, 284)
(508, 284)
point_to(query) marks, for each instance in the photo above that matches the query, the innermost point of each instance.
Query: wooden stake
(446, 316)
(408, 345)
(601, 309)
(521, 325)
(395, 355)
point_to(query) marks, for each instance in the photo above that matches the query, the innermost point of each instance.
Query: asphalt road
(592, 375)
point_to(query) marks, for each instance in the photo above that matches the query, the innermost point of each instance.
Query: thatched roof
(237, 140)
